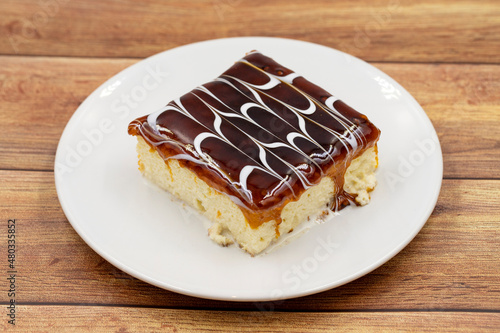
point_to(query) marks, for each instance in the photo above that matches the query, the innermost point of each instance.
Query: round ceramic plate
(143, 231)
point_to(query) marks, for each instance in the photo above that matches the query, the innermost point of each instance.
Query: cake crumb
(322, 216)
(215, 233)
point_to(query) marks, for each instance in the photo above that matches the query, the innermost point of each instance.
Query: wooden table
(54, 53)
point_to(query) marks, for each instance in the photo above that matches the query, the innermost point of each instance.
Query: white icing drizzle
(194, 153)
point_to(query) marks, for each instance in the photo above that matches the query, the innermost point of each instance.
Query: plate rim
(210, 295)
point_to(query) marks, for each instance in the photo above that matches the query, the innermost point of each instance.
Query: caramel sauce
(262, 135)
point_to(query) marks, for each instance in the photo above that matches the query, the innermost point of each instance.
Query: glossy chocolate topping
(261, 134)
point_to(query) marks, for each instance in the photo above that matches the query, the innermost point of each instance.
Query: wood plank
(382, 30)
(461, 100)
(106, 319)
(38, 96)
(463, 104)
(451, 264)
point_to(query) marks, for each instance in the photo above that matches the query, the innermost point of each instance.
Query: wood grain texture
(451, 264)
(463, 104)
(115, 319)
(382, 30)
(54, 53)
(39, 95)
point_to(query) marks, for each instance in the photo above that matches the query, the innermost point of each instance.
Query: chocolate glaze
(261, 134)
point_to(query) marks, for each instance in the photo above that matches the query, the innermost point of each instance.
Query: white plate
(139, 229)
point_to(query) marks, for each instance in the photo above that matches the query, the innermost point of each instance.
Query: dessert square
(257, 151)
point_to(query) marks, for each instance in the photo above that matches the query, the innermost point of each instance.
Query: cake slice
(257, 151)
